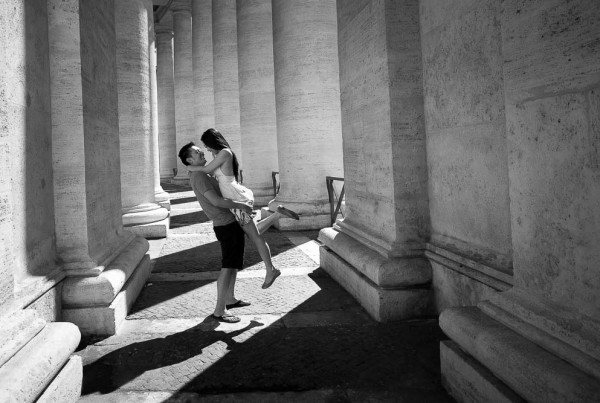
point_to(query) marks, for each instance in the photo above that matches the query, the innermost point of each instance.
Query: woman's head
(214, 142)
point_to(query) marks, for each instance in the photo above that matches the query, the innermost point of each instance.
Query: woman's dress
(231, 189)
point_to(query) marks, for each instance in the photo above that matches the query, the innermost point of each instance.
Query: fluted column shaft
(84, 120)
(226, 84)
(184, 81)
(166, 97)
(161, 197)
(135, 118)
(308, 106)
(258, 120)
(26, 211)
(204, 97)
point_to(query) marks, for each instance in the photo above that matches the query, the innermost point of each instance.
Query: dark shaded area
(182, 220)
(207, 257)
(368, 356)
(184, 200)
(122, 365)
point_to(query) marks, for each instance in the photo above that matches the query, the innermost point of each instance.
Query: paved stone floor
(305, 339)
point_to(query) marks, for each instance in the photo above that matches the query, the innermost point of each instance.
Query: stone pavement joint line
(303, 339)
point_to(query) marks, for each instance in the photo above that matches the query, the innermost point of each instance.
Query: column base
(166, 178)
(541, 352)
(467, 380)
(39, 366)
(158, 229)
(388, 289)
(162, 198)
(106, 320)
(181, 181)
(262, 195)
(66, 387)
(460, 281)
(312, 216)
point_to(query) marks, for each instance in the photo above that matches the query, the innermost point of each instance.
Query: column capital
(180, 6)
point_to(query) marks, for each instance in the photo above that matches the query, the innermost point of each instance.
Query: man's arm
(218, 201)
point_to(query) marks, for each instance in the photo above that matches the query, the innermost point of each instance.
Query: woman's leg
(263, 250)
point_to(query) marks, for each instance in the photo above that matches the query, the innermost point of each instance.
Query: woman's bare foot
(270, 278)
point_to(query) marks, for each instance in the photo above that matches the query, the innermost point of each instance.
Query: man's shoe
(288, 213)
(238, 304)
(227, 318)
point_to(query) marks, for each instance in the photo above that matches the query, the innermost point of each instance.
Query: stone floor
(303, 339)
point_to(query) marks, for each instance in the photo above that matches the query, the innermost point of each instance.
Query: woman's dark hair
(214, 139)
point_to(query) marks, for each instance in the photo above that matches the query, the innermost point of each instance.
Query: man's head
(191, 154)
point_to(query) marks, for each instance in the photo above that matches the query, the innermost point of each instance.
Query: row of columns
(268, 83)
(108, 197)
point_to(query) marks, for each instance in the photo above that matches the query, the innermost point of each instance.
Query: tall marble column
(204, 97)
(92, 247)
(30, 274)
(258, 120)
(307, 93)
(141, 214)
(226, 83)
(377, 250)
(160, 196)
(28, 264)
(165, 82)
(184, 81)
(540, 340)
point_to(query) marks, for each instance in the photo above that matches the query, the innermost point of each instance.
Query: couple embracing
(228, 205)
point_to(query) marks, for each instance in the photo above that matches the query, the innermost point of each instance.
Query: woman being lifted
(225, 168)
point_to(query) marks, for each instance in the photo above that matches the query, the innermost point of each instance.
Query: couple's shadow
(126, 363)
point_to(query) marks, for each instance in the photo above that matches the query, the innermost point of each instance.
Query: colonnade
(469, 152)
(269, 84)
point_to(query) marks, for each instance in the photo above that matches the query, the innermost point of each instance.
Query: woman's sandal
(288, 213)
(226, 318)
(267, 284)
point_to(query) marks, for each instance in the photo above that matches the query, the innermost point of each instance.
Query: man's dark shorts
(231, 237)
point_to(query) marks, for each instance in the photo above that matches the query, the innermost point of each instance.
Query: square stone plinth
(383, 304)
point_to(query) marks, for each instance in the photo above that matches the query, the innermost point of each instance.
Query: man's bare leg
(223, 283)
(230, 294)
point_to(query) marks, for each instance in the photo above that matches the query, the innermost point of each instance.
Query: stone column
(13, 110)
(204, 97)
(184, 81)
(166, 97)
(376, 251)
(307, 92)
(29, 272)
(141, 214)
(92, 247)
(258, 120)
(161, 197)
(27, 222)
(226, 87)
(540, 341)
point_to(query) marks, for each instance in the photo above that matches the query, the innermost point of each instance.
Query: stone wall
(540, 338)
(466, 149)
(552, 79)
